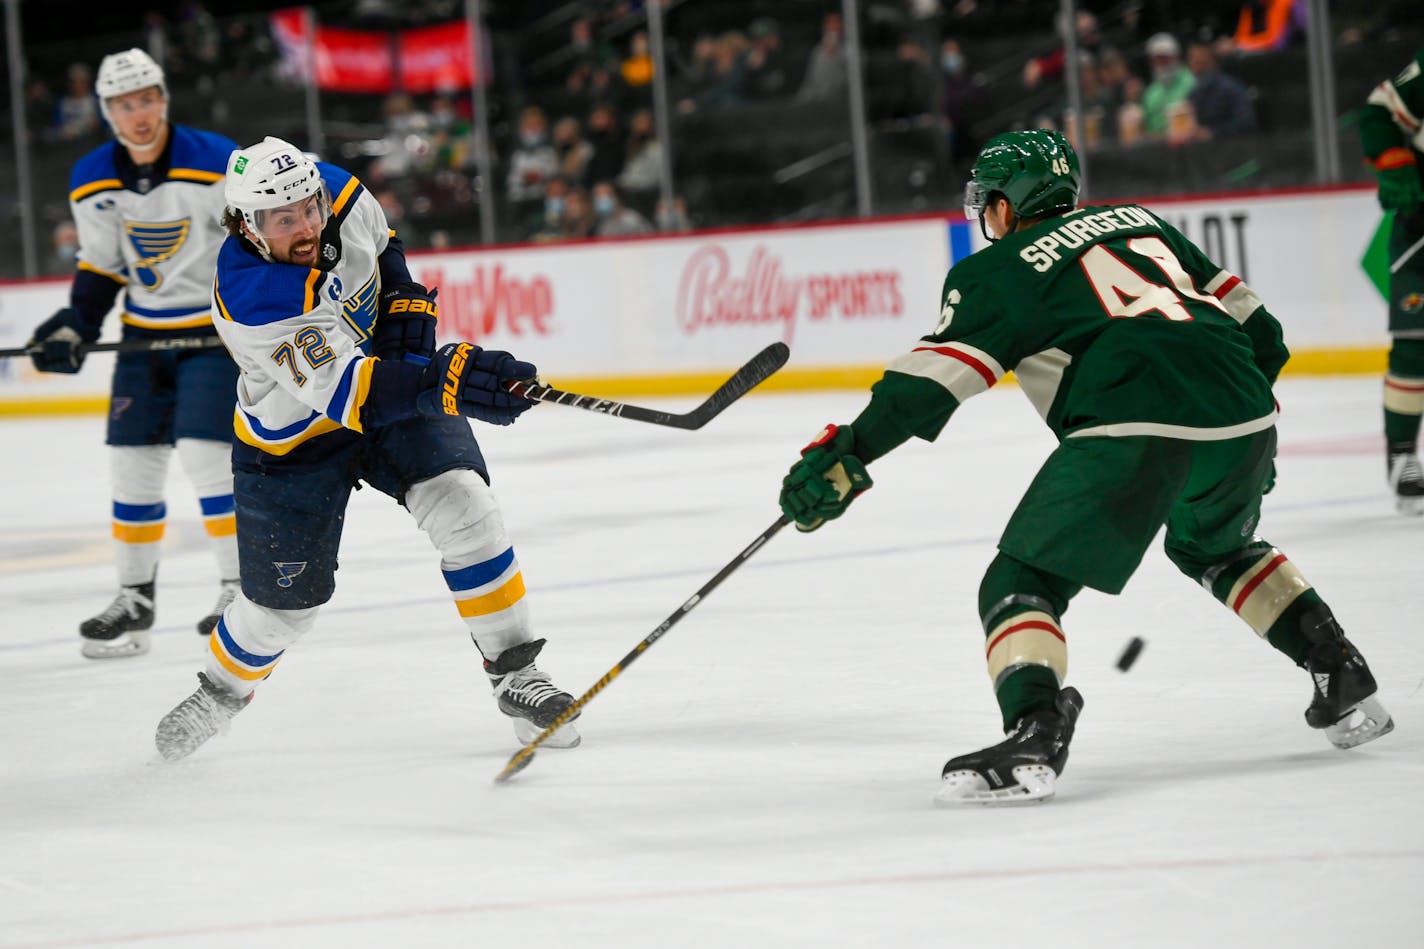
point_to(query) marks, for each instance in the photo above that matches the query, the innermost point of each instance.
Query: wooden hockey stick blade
(523, 756)
(756, 371)
(157, 345)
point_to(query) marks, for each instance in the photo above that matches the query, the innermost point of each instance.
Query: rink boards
(672, 314)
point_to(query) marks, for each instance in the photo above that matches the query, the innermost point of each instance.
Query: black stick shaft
(754, 372)
(521, 758)
(157, 345)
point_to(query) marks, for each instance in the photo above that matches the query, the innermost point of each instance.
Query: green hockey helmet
(1036, 170)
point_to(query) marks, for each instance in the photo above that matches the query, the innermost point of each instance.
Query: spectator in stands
(962, 101)
(1222, 104)
(578, 220)
(1265, 25)
(202, 47)
(572, 149)
(825, 78)
(1049, 68)
(77, 112)
(697, 74)
(915, 83)
(643, 168)
(608, 148)
(64, 245)
(39, 111)
(729, 55)
(765, 61)
(616, 219)
(1171, 83)
(672, 217)
(637, 70)
(1113, 78)
(533, 161)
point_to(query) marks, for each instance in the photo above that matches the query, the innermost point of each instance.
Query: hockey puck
(1130, 652)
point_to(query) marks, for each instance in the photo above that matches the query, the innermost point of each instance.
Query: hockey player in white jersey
(340, 382)
(147, 207)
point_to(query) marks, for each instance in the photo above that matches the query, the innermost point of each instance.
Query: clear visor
(307, 216)
(975, 197)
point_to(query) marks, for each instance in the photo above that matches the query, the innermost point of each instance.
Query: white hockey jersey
(302, 336)
(157, 236)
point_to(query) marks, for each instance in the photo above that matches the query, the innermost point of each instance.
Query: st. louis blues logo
(155, 243)
(360, 312)
(287, 572)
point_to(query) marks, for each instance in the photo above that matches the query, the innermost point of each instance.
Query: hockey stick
(1404, 257)
(129, 346)
(756, 371)
(523, 756)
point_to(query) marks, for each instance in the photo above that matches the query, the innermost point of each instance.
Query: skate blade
(526, 731)
(1410, 505)
(1035, 784)
(132, 643)
(1366, 721)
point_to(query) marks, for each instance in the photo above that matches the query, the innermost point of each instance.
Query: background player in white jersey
(147, 207)
(341, 382)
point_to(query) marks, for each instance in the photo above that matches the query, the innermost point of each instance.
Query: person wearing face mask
(961, 100)
(614, 218)
(1172, 83)
(146, 208)
(342, 380)
(533, 161)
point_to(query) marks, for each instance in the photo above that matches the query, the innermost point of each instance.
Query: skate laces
(207, 711)
(125, 606)
(528, 686)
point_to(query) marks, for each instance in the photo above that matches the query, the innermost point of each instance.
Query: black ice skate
(226, 594)
(122, 629)
(528, 697)
(1406, 478)
(197, 718)
(1344, 706)
(1023, 768)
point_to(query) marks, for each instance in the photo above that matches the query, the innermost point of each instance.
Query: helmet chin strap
(254, 236)
(984, 225)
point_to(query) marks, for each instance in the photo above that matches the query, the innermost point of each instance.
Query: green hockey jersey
(1393, 116)
(1113, 323)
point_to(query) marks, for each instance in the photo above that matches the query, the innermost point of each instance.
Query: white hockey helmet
(122, 73)
(271, 174)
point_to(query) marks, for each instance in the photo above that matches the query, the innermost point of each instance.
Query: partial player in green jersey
(1153, 367)
(1393, 139)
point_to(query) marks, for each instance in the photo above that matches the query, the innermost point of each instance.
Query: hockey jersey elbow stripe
(1386, 95)
(95, 187)
(477, 575)
(963, 370)
(1239, 300)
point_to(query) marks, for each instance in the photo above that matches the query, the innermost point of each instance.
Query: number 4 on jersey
(1124, 292)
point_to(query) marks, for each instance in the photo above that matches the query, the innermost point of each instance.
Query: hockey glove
(1399, 186)
(55, 343)
(406, 324)
(820, 486)
(464, 379)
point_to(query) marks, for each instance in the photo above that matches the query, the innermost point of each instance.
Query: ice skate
(527, 696)
(197, 718)
(1345, 706)
(1023, 768)
(121, 630)
(226, 594)
(1406, 479)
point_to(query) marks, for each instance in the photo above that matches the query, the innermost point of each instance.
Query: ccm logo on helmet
(448, 392)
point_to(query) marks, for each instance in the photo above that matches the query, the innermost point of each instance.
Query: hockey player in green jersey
(1153, 367)
(1393, 139)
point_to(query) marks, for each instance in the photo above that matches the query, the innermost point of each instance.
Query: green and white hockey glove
(821, 485)
(1399, 186)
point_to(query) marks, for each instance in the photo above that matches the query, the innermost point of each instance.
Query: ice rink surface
(762, 776)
